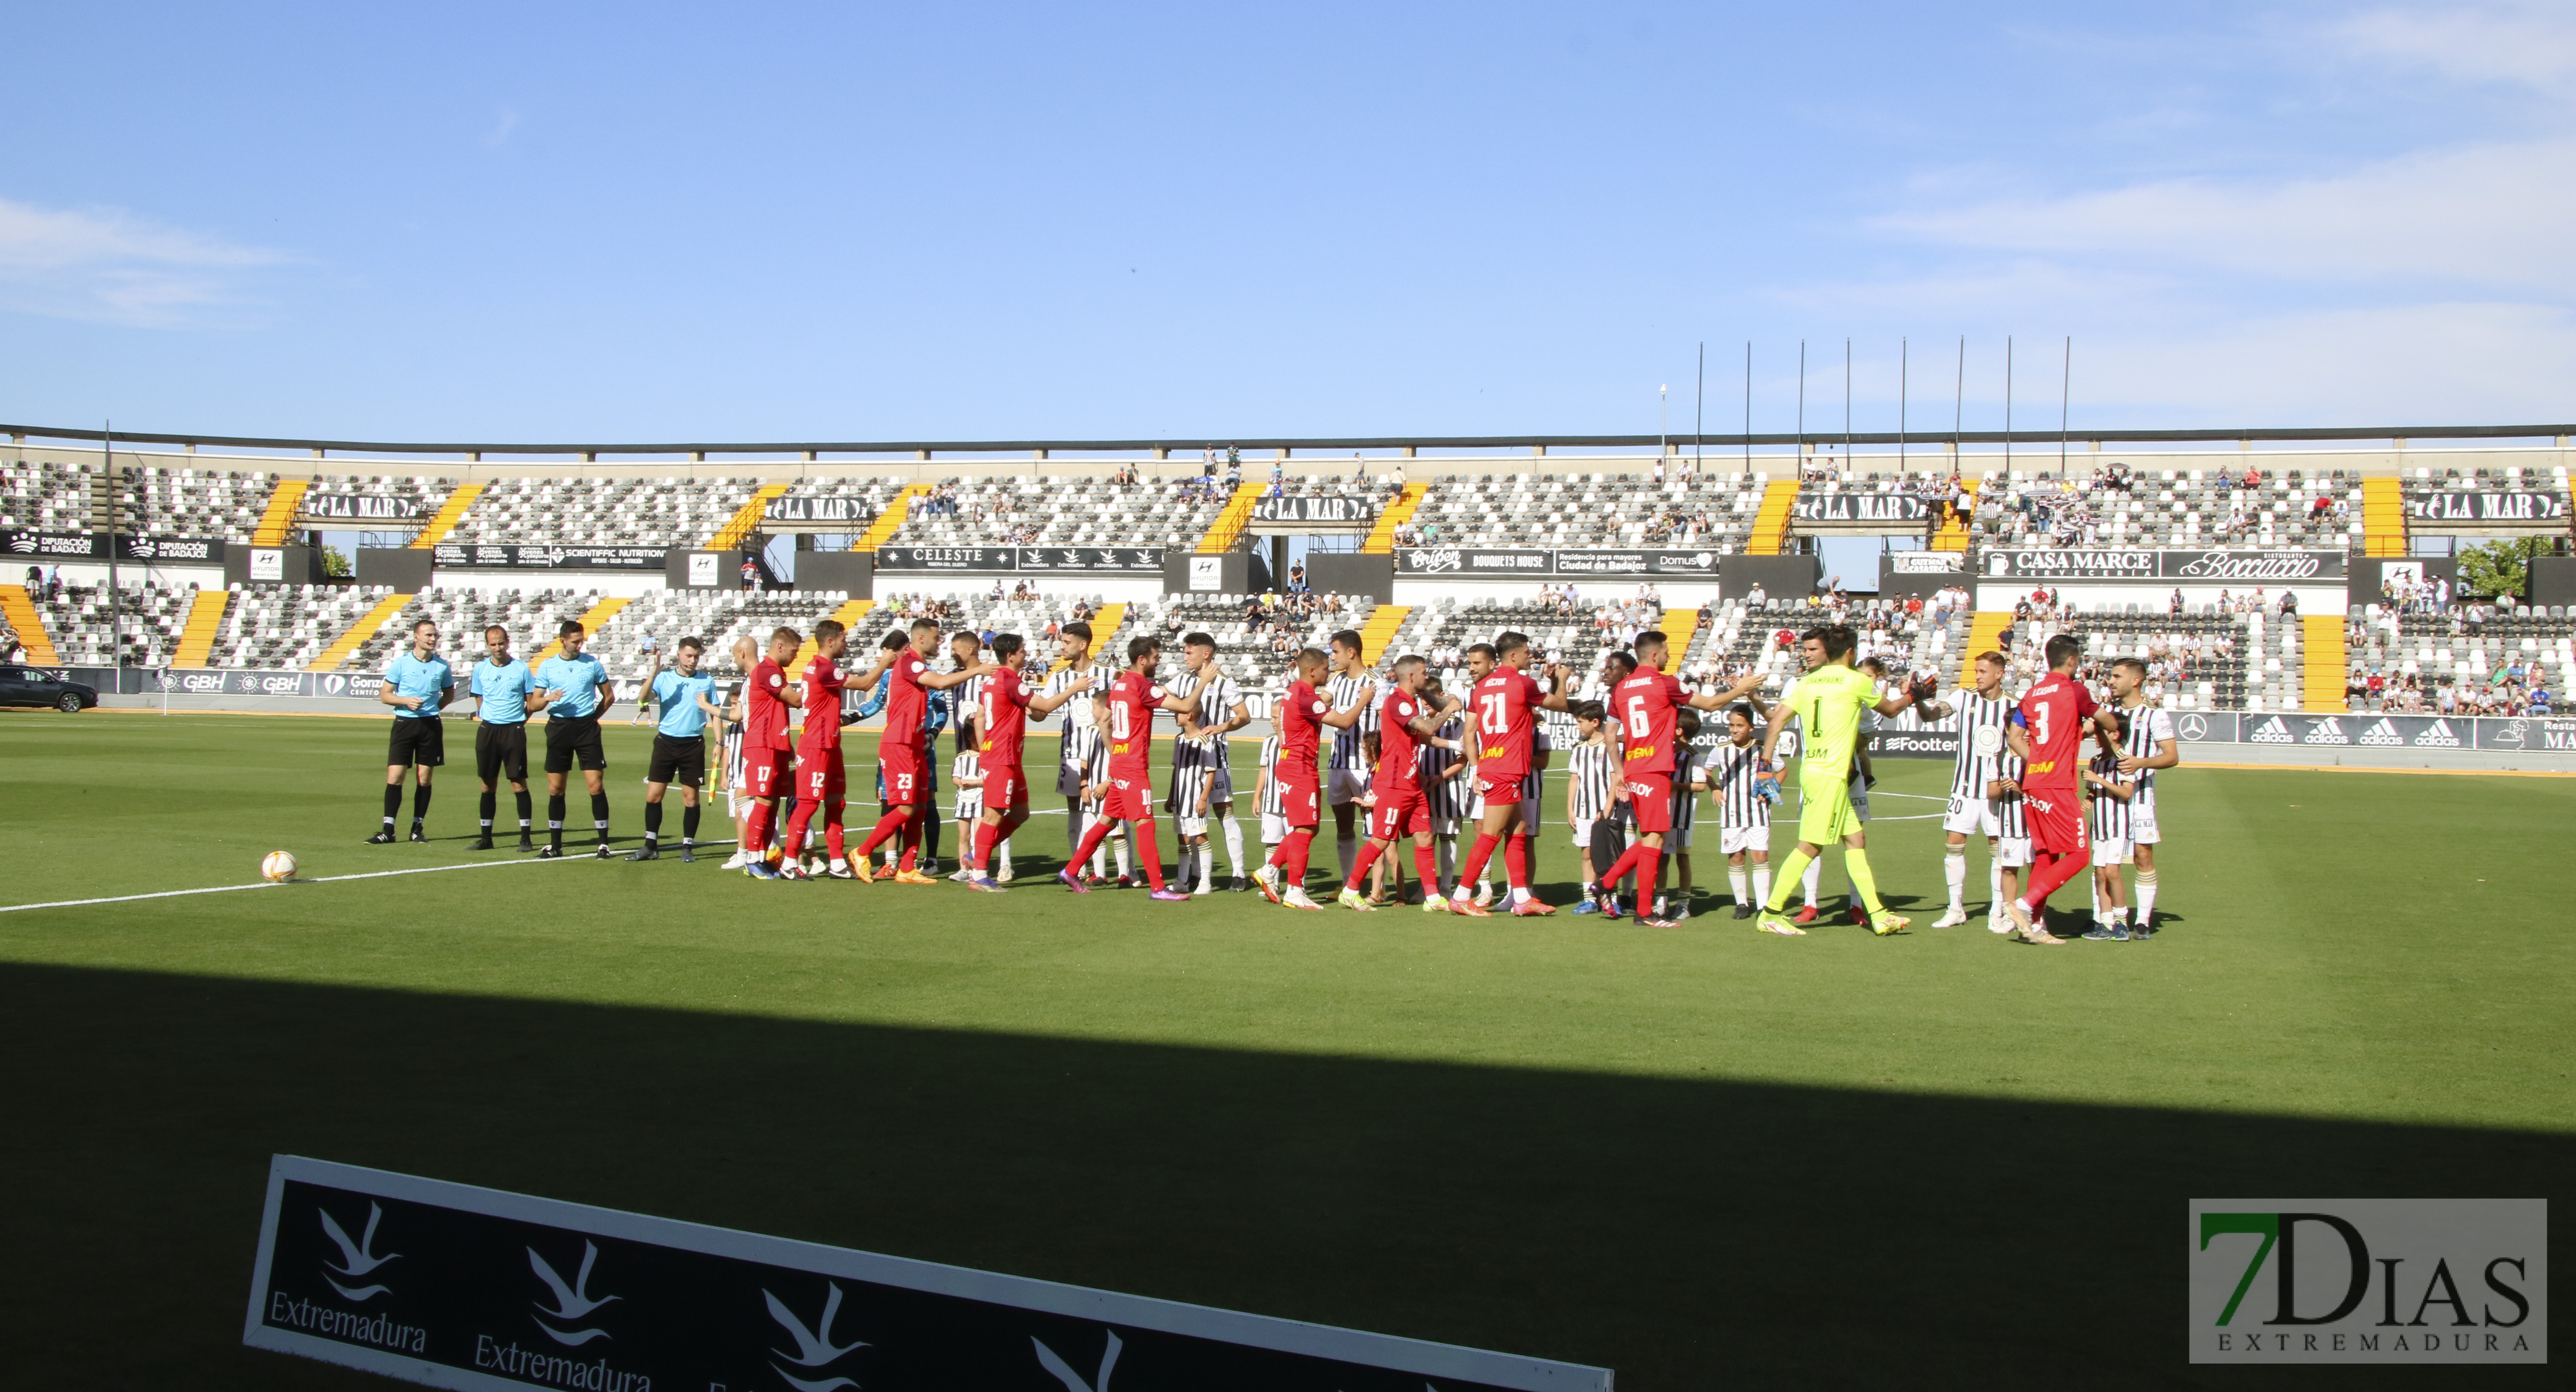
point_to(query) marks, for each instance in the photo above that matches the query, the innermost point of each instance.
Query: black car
(34, 686)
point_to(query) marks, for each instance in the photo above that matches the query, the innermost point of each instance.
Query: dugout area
(1700, 1158)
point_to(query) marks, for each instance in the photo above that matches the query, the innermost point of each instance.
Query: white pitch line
(263, 884)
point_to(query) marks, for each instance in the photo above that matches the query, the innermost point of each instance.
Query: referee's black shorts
(416, 739)
(501, 752)
(680, 759)
(574, 736)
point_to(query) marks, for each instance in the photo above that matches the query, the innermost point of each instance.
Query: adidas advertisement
(448, 1285)
(2401, 1281)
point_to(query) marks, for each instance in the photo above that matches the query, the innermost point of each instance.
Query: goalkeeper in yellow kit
(1829, 702)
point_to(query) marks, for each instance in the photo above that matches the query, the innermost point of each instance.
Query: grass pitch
(1694, 1156)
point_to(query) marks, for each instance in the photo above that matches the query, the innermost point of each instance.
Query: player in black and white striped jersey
(1203, 763)
(1446, 787)
(1076, 751)
(1690, 779)
(2108, 792)
(1984, 796)
(2152, 744)
(1346, 770)
(1743, 815)
(1267, 795)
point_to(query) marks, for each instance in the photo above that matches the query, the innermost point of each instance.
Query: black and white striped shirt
(1341, 691)
(2149, 726)
(1446, 797)
(1081, 735)
(1686, 766)
(1732, 770)
(729, 746)
(1216, 700)
(1274, 798)
(1981, 723)
(1593, 771)
(2011, 817)
(2110, 815)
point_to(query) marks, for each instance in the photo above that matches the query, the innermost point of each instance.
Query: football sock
(599, 814)
(1739, 882)
(1075, 824)
(1119, 849)
(1812, 878)
(2146, 895)
(797, 821)
(1446, 848)
(1791, 871)
(2094, 883)
(1368, 857)
(1150, 854)
(491, 803)
(911, 843)
(393, 803)
(755, 828)
(1426, 868)
(1994, 881)
(2046, 880)
(1233, 845)
(1091, 839)
(835, 836)
(1516, 862)
(1346, 844)
(652, 822)
(689, 823)
(1477, 855)
(1298, 844)
(554, 817)
(1761, 883)
(930, 835)
(1207, 864)
(1954, 868)
(527, 808)
(886, 826)
(1610, 877)
(420, 803)
(1864, 884)
(985, 837)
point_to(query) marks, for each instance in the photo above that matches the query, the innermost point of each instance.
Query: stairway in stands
(330, 658)
(197, 635)
(1985, 630)
(1380, 631)
(883, 529)
(1771, 523)
(29, 625)
(1952, 533)
(2323, 663)
(277, 521)
(737, 531)
(1381, 537)
(1680, 626)
(599, 614)
(1230, 523)
(849, 614)
(2383, 516)
(449, 513)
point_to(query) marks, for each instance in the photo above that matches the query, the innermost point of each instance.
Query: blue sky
(848, 222)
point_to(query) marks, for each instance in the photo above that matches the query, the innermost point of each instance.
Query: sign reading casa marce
(2369, 1280)
(454, 1286)
(2184, 567)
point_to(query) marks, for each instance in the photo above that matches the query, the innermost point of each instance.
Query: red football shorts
(765, 772)
(1005, 787)
(1299, 798)
(901, 766)
(1400, 812)
(1499, 792)
(1130, 797)
(1650, 801)
(820, 778)
(2056, 818)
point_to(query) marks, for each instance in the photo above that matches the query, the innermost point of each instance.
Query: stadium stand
(2499, 665)
(602, 512)
(1714, 511)
(151, 618)
(46, 497)
(2178, 508)
(461, 616)
(282, 627)
(1031, 510)
(226, 504)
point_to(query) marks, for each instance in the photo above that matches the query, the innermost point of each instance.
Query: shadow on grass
(1685, 1233)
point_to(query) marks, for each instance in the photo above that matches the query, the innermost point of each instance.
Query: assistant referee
(679, 748)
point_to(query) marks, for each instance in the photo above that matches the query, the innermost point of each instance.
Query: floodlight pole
(2008, 366)
(1699, 407)
(1901, 360)
(115, 608)
(2065, 393)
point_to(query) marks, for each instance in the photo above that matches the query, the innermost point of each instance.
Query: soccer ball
(278, 868)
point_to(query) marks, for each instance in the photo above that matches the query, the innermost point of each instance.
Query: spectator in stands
(11, 650)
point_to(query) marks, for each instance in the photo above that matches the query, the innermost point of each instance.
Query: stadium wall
(2553, 580)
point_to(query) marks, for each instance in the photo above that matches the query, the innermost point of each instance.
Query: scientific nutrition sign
(2369, 1280)
(453, 1286)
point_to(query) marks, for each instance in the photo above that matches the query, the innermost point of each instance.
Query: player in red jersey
(1503, 705)
(1644, 706)
(2047, 734)
(1126, 715)
(1405, 721)
(766, 700)
(899, 744)
(1006, 702)
(821, 784)
(1301, 718)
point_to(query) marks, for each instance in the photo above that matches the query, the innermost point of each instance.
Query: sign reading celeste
(454, 1286)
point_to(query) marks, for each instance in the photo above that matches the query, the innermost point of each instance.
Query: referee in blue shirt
(679, 747)
(577, 695)
(417, 682)
(505, 693)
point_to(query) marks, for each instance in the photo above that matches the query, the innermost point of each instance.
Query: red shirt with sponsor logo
(1131, 700)
(2055, 711)
(1504, 708)
(764, 715)
(823, 679)
(1397, 768)
(907, 701)
(1006, 719)
(1644, 706)
(1300, 726)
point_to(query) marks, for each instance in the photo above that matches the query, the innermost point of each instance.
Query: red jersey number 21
(1494, 721)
